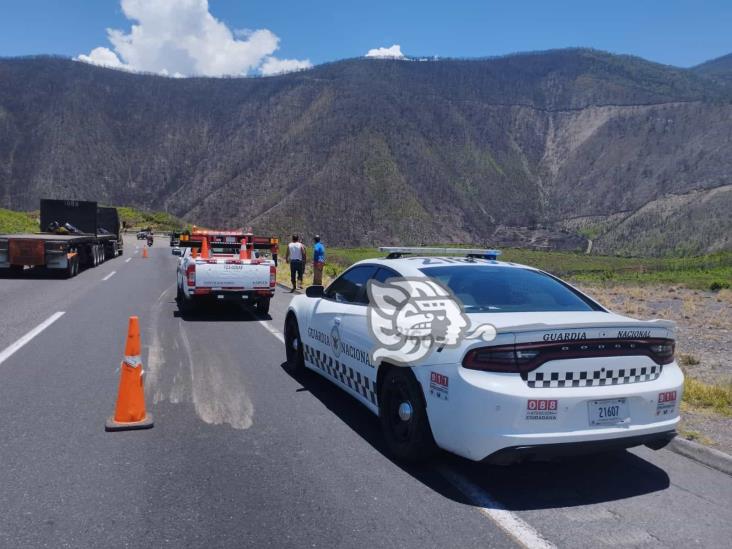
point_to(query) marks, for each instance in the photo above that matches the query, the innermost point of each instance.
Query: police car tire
(295, 363)
(409, 441)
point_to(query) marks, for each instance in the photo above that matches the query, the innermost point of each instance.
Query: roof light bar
(397, 251)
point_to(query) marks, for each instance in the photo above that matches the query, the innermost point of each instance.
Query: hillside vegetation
(160, 221)
(537, 149)
(18, 222)
(27, 222)
(707, 272)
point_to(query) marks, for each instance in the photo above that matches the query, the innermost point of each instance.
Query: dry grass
(283, 274)
(724, 296)
(709, 397)
(696, 436)
(688, 360)
(690, 305)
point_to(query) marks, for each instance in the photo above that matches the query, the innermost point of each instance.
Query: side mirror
(176, 251)
(314, 291)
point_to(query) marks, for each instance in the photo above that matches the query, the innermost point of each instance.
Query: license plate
(609, 412)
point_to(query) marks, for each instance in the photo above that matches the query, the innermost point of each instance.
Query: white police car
(487, 359)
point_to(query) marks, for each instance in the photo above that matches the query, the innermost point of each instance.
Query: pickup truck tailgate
(243, 276)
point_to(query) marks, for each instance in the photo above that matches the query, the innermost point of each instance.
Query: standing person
(296, 258)
(318, 261)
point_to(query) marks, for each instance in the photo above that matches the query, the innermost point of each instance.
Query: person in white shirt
(296, 257)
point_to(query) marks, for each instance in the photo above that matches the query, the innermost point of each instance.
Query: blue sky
(681, 33)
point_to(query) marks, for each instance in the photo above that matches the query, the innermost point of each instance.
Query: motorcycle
(149, 240)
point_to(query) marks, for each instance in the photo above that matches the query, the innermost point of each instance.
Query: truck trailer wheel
(72, 268)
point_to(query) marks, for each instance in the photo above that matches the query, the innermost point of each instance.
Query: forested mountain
(533, 149)
(719, 68)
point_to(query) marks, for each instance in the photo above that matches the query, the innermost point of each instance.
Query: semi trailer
(74, 234)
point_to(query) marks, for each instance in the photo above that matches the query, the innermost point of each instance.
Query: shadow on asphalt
(568, 482)
(37, 273)
(220, 312)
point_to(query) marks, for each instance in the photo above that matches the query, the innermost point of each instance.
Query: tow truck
(226, 266)
(75, 234)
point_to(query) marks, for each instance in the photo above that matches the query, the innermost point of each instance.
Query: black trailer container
(75, 234)
(108, 223)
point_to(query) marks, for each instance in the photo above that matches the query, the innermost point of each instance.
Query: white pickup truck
(224, 276)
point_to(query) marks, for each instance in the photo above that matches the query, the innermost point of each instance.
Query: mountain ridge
(372, 150)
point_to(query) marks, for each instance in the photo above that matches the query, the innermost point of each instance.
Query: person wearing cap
(296, 258)
(318, 261)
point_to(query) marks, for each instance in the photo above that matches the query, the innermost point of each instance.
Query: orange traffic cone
(243, 251)
(144, 252)
(204, 249)
(129, 413)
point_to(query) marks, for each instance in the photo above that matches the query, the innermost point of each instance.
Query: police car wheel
(403, 417)
(293, 347)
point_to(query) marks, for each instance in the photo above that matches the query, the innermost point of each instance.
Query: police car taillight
(499, 359)
(272, 276)
(529, 356)
(191, 275)
(663, 353)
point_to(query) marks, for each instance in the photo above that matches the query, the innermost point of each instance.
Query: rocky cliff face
(516, 149)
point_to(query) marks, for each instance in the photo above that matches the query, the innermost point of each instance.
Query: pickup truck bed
(225, 278)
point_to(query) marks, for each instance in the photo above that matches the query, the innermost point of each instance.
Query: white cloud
(394, 52)
(272, 65)
(101, 56)
(182, 38)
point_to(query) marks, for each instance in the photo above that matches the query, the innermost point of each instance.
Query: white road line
(272, 330)
(136, 250)
(517, 528)
(10, 350)
(110, 275)
(128, 260)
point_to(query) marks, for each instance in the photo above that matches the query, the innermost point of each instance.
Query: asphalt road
(243, 454)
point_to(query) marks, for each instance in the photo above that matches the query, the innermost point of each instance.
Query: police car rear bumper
(517, 454)
(483, 414)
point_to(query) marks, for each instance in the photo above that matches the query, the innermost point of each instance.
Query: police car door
(341, 316)
(357, 343)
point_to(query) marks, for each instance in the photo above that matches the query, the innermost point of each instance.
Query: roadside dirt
(703, 338)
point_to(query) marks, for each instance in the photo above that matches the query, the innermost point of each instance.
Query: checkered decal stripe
(593, 378)
(342, 373)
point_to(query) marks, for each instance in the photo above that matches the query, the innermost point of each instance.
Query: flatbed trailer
(97, 239)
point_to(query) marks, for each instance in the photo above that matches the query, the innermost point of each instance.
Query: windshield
(486, 288)
(222, 248)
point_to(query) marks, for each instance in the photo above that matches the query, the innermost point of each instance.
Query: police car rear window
(485, 288)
